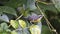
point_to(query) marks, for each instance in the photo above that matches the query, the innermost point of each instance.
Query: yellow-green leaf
(14, 32)
(34, 29)
(22, 23)
(14, 23)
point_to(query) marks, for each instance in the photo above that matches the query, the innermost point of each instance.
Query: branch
(19, 17)
(48, 23)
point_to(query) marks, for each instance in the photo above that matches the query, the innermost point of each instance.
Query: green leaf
(8, 30)
(1, 12)
(57, 4)
(4, 26)
(1, 29)
(14, 32)
(49, 7)
(14, 23)
(3, 32)
(8, 10)
(23, 11)
(45, 30)
(15, 3)
(31, 4)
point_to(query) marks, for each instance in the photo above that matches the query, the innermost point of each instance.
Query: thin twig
(19, 17)
(9, 25)
(44, 2)
(48, 23)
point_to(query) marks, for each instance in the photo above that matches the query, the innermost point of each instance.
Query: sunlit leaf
(14, 23)
(22, 23)
(14, 32)
(34, 29)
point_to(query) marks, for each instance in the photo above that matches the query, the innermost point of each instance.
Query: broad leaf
(35, 29)
(14, 23)
(15, 3)
(49, 7)
(8, 10)
(31, 4)
(4, 26)
(22, 23)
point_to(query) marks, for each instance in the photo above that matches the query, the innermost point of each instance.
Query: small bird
(36, 25)
(35, 18)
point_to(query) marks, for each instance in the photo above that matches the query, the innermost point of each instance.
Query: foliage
(23, 16)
